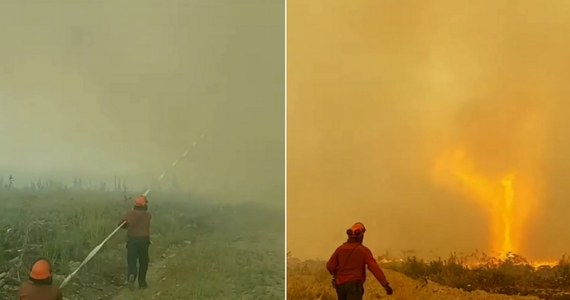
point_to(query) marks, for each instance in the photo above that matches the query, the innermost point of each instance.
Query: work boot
(143, 284)
(131, 282)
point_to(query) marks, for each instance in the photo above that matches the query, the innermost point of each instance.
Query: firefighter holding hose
(348, 266)
(39, 286)
(137, 224)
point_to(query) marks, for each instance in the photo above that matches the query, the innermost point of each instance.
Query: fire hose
(96, 249)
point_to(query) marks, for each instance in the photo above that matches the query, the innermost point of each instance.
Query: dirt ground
(310, 282)
(242, 265)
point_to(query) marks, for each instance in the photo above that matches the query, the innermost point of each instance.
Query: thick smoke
(388, 89)
(97, 89)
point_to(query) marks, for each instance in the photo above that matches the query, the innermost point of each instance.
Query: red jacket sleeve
(332, 264)
(374, 267)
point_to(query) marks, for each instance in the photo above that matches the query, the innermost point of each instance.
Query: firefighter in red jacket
(137, 223)
(40, 287)
(348, 266)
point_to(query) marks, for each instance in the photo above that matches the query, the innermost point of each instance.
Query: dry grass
(513, 275)
(309, 280)
(204, 250)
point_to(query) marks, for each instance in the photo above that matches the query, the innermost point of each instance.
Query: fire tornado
(507, 213)
(497, 194)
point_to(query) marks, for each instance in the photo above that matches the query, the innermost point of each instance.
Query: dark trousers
(350, 291)
(137, 251)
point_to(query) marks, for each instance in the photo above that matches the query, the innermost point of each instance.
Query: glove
(388, 289)
(126, 225)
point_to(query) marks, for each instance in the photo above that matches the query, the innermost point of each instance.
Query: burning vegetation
(510, 275)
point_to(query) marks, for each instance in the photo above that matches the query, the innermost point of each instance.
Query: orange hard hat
(356, 229)
(141, 201)
(41, 270)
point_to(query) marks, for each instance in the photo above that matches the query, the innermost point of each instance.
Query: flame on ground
(481, 260)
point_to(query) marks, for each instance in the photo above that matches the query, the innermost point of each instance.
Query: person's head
(41, 272)
(356, 232)
(141, 203)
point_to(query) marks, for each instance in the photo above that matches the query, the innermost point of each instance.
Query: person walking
(137, 224)
(39, 286)
(348, 264)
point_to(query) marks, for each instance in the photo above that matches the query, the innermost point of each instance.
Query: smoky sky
(378, 91)
(104, 88)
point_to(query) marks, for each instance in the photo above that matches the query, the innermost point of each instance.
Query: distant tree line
(119, 184)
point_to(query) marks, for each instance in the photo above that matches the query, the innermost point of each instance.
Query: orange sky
(379, 91)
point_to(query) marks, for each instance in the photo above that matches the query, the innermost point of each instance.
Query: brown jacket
(138, 223)
(31, 291)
